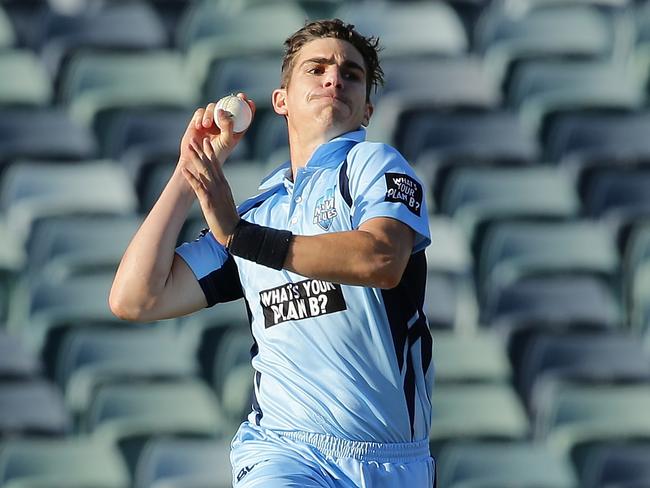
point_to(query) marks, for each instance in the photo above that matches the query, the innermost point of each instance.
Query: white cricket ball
(239, 109)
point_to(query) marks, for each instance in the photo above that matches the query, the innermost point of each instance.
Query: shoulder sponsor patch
(401, 188)
(302, 300)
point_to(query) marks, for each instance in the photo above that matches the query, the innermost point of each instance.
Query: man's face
(327, 87)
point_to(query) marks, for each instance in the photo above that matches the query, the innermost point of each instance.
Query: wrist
(262, 245)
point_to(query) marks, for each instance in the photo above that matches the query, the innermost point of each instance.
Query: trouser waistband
(364, 451)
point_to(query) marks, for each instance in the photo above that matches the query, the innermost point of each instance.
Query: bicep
(182, 294)
(395, 234)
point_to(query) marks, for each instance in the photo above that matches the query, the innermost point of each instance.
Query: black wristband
(263, 245)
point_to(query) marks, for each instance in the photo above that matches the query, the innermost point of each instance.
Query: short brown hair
(337, 29)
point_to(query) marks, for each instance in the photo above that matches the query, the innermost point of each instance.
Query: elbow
(385, 273)
(123, 308)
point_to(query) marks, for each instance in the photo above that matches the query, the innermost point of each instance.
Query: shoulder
(367, 158)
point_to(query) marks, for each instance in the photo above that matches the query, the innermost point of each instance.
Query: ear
(279, 100)
(368, 113)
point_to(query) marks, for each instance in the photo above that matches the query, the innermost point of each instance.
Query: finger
(208, 150)
(192, 180)
(226, 124)
(197, 118)
(249, 101)
(208, 115)
(199, 161)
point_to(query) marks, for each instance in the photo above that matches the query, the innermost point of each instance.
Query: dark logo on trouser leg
(244, 471)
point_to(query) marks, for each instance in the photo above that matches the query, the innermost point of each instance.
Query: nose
(333, 77)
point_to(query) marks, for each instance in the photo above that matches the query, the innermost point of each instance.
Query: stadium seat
(474, 195)
(234, 349)
(604, 139)
(570, 416)
(25, 81)
(462, 79)
(32, 408)
(269, 135)
(48, 134)
(594, 357)
(449, 301)
(12, 261)
(456, 414)
(466, 138)
(542, 89)
(130, 25)
(48, 307)
(237, 392)
(129, 414)
(210, 36)
(639, 307)
(512, 250)
(491, 464)
(554, 302)
(76, 462)
(636, 257)
(16, 361)
(30, 191)
(7, 33)
(89, 358)
(95, 83)
(75, 245)
(613, 464)
(469, 358)
(506, 35)
(184, 463)
(407, 29)
(617, 193)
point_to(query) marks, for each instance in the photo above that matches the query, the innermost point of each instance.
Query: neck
(302, 145)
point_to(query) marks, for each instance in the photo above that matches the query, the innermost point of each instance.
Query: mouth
(333, 98)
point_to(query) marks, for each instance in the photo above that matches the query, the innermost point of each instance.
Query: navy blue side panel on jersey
(408, 324)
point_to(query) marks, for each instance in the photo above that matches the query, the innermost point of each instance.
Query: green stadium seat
(506, 35)
(127, 415)
(570, 415)
(184, 463)
(31, 191)
(25, 81)
(470, 358)
(89, 358)
(476, 411)
(505, 464)
(407, 29)
(94, 83)
(76, 462)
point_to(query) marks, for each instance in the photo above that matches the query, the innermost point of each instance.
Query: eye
(316, 70)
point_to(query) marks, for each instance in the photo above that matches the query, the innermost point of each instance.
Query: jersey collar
(327, 154)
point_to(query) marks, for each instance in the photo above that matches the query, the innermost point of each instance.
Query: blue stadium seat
(617, 464)
(32, 408)
(595, 357)
(556, 302)
(605, 139)
(47, 133)
(445, 139)
(7, 32)
(617, 193)
(16, 361)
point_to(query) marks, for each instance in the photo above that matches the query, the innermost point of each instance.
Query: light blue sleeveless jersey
(348, 361)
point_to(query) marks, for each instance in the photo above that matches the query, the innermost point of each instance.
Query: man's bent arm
(374, 255)
(152, 282)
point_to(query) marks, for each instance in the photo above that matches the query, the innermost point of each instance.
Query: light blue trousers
(263, 458)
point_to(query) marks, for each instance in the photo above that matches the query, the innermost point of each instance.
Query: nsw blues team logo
(325, 211)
